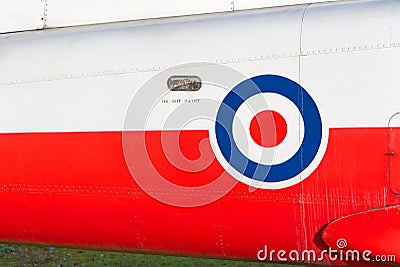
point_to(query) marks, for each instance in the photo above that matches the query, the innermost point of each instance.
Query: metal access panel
(21, 15)
(393, 153)
(76, 12)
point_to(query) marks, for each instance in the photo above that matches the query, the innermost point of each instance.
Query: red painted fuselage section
(74, 189)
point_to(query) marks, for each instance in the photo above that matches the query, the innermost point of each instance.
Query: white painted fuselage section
(23, 15)
(83, 78)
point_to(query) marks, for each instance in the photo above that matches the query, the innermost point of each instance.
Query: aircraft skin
(98, 152)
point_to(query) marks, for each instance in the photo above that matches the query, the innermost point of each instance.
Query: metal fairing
(97, 152)
(25, 15)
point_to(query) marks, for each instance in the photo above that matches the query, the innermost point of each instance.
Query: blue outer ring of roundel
(307, 108)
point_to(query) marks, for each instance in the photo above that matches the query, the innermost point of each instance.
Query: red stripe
(75, 189)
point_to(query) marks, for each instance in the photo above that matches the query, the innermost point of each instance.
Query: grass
(20, 255)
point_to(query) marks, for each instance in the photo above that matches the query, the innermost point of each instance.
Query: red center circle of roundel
(268, 128)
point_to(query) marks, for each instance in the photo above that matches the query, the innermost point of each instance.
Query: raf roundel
(269, 132)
